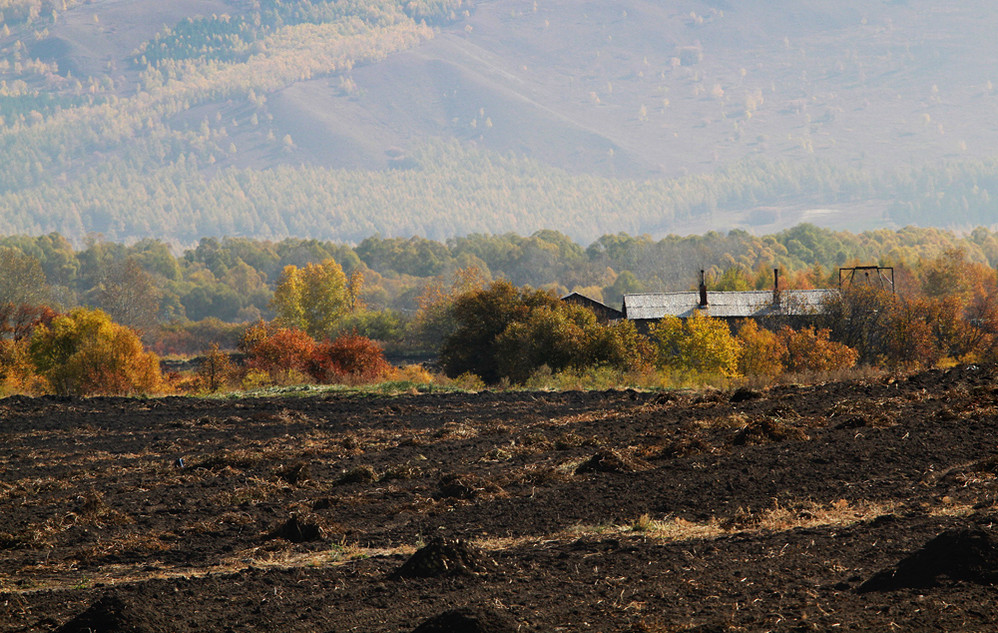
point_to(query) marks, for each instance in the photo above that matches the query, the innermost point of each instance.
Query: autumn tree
(698, 345)
(810, 350)
(509, 332)
(314, 298)
(129, 295)
(216, 369)
(434, 320)
(883, 328)
(17, 324)
(86, 353)
(22, 280)
(762, 350)
(953, 274)
(481, 317)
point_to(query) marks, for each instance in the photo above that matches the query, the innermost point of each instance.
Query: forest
(303, 310)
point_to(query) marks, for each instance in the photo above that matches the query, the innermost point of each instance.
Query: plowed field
(573, 511)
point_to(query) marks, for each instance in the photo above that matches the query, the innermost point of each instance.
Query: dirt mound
(767, 430)
(111, 614)
(300, 529)
(468, 620)
(969, 554)
(466, 486)
(611, 461)
(744, 394)
(296, 473)
(445, 558)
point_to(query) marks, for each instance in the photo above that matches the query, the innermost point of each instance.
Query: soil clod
(444, 557)
(300, 529)
(969, 554)
(767, 430)
(296, 473)
(744, 394)
(111, 614)
(611, 461)
(465, 486)
(468, 620)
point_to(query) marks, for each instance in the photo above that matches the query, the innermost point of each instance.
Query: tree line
(183, 301)
(497, 333)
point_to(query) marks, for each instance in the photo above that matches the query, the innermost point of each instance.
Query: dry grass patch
(255, 491)
(218, 524)
(456, 430)
(778, 518)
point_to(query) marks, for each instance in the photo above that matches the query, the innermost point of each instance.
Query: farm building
(750, 304)
(775, 304)
(604, 313)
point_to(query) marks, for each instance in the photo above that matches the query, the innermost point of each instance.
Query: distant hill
(336, 120)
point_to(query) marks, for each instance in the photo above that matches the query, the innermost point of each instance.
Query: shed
(604, 313)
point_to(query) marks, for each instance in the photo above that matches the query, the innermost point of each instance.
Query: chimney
(703, 291)
(776, 286)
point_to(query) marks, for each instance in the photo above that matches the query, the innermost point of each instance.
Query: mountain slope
(99, 98)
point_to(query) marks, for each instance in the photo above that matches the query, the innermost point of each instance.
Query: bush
(280, 352)
(350, 358)
(85, 353)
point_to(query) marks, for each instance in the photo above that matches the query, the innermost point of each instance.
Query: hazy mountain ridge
(628, 90)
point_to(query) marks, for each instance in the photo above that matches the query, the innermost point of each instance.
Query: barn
(776, 306)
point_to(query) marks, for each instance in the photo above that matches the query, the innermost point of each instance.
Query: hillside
(339, 120)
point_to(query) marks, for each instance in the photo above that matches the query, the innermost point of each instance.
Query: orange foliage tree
(762, 350)
(17, 323)
(883, 328)
(810, 349)
(85, 353)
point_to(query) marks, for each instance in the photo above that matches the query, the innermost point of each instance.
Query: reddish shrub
(280, 352)
(348, 358)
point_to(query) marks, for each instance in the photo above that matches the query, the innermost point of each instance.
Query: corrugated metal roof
(725, 304)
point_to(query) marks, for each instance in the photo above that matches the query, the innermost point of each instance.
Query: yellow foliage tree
(314, 298)
(698, 345)
(85, 353)
(762, 350)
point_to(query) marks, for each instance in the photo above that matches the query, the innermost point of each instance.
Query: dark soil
(444, 558)
(968, 554)
(798, 508)
(468, 620)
